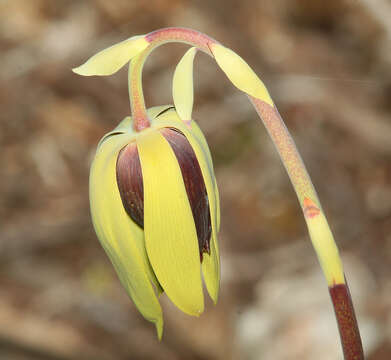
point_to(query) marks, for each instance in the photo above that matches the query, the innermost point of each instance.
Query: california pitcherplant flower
(154, 198)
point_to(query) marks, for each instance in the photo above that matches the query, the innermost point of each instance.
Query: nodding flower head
(153, 193)
(155, 209)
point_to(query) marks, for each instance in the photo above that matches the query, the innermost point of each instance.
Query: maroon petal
(130, 183)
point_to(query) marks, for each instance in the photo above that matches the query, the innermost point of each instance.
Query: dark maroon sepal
(130, 183)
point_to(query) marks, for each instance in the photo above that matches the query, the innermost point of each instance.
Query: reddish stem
(347, 322)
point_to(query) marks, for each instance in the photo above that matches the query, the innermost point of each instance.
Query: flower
(154, 198)
(155, 209)
(153, 193)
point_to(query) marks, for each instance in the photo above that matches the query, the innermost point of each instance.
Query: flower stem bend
(155, 39)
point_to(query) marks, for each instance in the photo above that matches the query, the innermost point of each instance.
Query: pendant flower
(155, 209)
(153, 193)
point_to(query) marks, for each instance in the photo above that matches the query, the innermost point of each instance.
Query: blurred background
(327, 66)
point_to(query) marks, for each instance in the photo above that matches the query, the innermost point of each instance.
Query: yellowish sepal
(111, 59)
(182, 85)
(121, 238)
(240, 73)
(211, 264)
(199, 136)
(169, 229)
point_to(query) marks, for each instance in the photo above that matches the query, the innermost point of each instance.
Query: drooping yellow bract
(111, 59)
(240, 73)
(165, 254)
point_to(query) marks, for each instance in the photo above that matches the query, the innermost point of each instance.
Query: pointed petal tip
(159, 328)
(87, 70)
(211, 273)
(113, 58)
(214, 296)
(195, 310)
(79, 71)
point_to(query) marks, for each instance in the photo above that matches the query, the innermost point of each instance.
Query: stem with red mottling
(319, 230)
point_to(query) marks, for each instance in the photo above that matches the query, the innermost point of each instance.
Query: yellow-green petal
(210, 266)
(240, 73)
(121, 238)
(170, 233)
(111, 59)
(182, 85)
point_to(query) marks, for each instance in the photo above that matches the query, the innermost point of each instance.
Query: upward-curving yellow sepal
(182, 85)
(111, 59)
(240, 73)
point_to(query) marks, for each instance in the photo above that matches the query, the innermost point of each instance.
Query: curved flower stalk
(154, 249)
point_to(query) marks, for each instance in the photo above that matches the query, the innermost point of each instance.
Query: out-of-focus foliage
(326, 65)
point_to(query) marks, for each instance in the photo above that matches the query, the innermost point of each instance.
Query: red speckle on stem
(310, 209)
(189, 36)
(141, 123)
